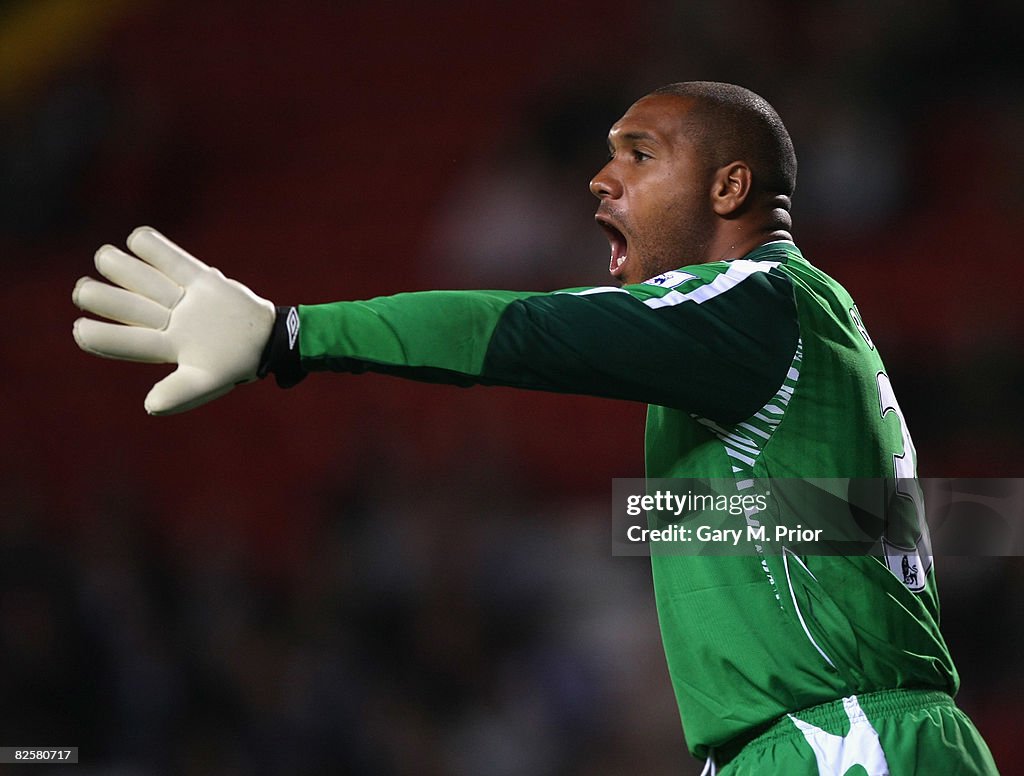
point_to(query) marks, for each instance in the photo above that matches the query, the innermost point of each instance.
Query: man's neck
(736, 237)
(737, 243)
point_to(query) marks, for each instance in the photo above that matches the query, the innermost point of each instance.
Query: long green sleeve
(714, 339)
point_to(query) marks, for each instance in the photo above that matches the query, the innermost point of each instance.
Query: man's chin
(637, 272)
(629, 272)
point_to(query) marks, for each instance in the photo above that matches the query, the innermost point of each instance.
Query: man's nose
(605, 185)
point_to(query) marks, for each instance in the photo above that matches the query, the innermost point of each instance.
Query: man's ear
(730, 188)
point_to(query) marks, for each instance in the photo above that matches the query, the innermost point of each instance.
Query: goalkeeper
(754, 364)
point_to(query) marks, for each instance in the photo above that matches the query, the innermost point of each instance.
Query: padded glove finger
(186, 387)
(131, 343)
(159, 252)
(138, 276)
(119, 305)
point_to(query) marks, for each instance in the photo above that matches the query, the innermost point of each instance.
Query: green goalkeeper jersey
(753, 368)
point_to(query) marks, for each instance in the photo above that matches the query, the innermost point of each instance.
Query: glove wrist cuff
(281, 356)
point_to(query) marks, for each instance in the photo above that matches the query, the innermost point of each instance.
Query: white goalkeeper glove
(173, 309)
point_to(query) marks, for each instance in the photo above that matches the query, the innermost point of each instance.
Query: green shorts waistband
(832, 714)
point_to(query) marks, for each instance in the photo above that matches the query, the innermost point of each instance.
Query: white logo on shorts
(836, 754)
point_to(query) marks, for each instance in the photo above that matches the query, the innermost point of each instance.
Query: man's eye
(640, 156)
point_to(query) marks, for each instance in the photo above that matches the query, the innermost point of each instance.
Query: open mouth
(618, 243)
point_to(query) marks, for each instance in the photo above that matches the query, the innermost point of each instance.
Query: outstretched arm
(715, 341)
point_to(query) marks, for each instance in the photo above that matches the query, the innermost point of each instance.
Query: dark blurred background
(372, 577)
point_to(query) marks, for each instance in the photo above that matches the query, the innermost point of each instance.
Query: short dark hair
(730, 123)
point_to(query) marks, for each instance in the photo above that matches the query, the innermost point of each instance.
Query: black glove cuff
(281, 356)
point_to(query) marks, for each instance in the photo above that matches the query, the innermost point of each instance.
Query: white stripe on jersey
(739, 270)
(596, 290)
